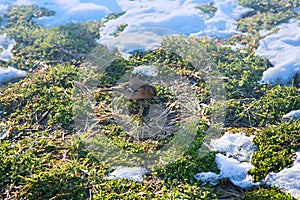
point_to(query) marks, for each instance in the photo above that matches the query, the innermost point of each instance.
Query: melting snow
(7, 74)
(292, 115)
(6, 45)
(235, 164)
(131, 173)
(287, 179)
(283, 50)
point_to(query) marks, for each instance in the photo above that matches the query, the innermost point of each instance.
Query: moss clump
(121, 28)
(20, 14)
(265, 20)
(269, 14)
(268, 109)
(42, 100)
(267, 193)
(276, 147)
(242, 72)
(48, 45)
(275, 103)
(192, 162)
(208, 8)
(43, 165)
(273, 6)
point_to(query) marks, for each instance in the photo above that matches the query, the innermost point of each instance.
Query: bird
(134, 89)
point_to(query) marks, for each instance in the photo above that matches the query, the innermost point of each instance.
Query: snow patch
(292, 115)
(224, 22)
(287, 179)
(131, 173)
(237, 146)
(147, 70)
(282, 49)
(6, 45)
(7, 74)
(235, 164)
(67, 11)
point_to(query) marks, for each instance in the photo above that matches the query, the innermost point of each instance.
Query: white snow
(292, 115)
(73, 10)
(131, 173)
(6, 74)
(181, 16)
(6, 45)
(142, 39)
(210, 177)
(237, 146)
(235, 164)
(287, 179)
(234, 170)
(283, 50)
(147, 70)
(223, 23)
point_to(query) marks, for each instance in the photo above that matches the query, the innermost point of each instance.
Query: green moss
(43, 99)
(269, 14)
(112, 16)
(207, 8)
(37, 44)
(265, 20)
(192, 162)
(242, 71)
(20, 14)
(268, 109)
(152, 189)
(114, 71)
(44, 166)
(121, 28)
(275, 103)
(276, 147)
(267, 193)
(270, 5)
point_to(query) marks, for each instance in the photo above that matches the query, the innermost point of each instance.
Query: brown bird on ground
(134, 89)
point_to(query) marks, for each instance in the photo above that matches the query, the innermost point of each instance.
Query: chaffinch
(134, 89)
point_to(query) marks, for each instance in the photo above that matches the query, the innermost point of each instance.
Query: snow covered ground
(6, 74)
(235, 164)
(283, 50)
(160, 17)
(131, 173)
(287, 179)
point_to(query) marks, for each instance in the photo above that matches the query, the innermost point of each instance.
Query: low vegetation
(43, 156)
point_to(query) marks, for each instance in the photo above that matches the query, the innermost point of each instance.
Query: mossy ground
(42, 157)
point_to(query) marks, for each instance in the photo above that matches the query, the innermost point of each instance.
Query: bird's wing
(136, 83)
